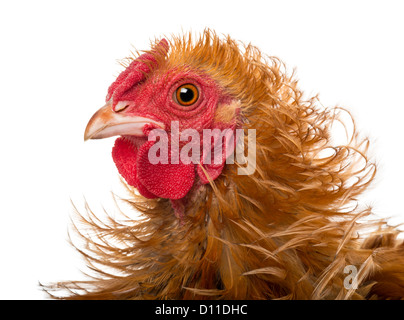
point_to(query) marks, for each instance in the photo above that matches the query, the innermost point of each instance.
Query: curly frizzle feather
(285, 232)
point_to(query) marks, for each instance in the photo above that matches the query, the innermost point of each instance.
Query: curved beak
(106, 123)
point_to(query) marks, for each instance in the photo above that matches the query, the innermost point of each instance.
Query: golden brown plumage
(285, 232)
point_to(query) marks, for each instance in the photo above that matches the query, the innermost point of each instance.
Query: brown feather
(285, 232)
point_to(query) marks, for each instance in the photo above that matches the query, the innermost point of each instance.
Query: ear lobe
(215, 156)
(209, 172)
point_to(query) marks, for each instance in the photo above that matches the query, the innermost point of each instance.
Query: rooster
(289, 229)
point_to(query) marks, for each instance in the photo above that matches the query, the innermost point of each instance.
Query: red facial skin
(150, 94)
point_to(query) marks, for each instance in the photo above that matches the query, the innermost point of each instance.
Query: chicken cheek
(214, 155)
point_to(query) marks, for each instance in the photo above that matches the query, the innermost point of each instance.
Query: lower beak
(106, 123)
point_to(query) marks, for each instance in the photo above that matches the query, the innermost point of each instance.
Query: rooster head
(156, 99)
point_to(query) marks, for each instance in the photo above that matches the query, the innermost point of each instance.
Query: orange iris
(187, 94)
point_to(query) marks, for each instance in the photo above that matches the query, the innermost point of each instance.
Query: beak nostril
(120, 107)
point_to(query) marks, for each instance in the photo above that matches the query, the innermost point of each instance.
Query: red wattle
(124, 154)
(170, 181)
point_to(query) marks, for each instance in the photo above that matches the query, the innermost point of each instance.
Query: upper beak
(107, 123)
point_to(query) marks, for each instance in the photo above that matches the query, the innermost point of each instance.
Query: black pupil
(186, 94)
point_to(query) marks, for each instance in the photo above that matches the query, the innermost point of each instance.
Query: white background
(57, 60)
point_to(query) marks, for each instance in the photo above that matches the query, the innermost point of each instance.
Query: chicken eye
(187, 94)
